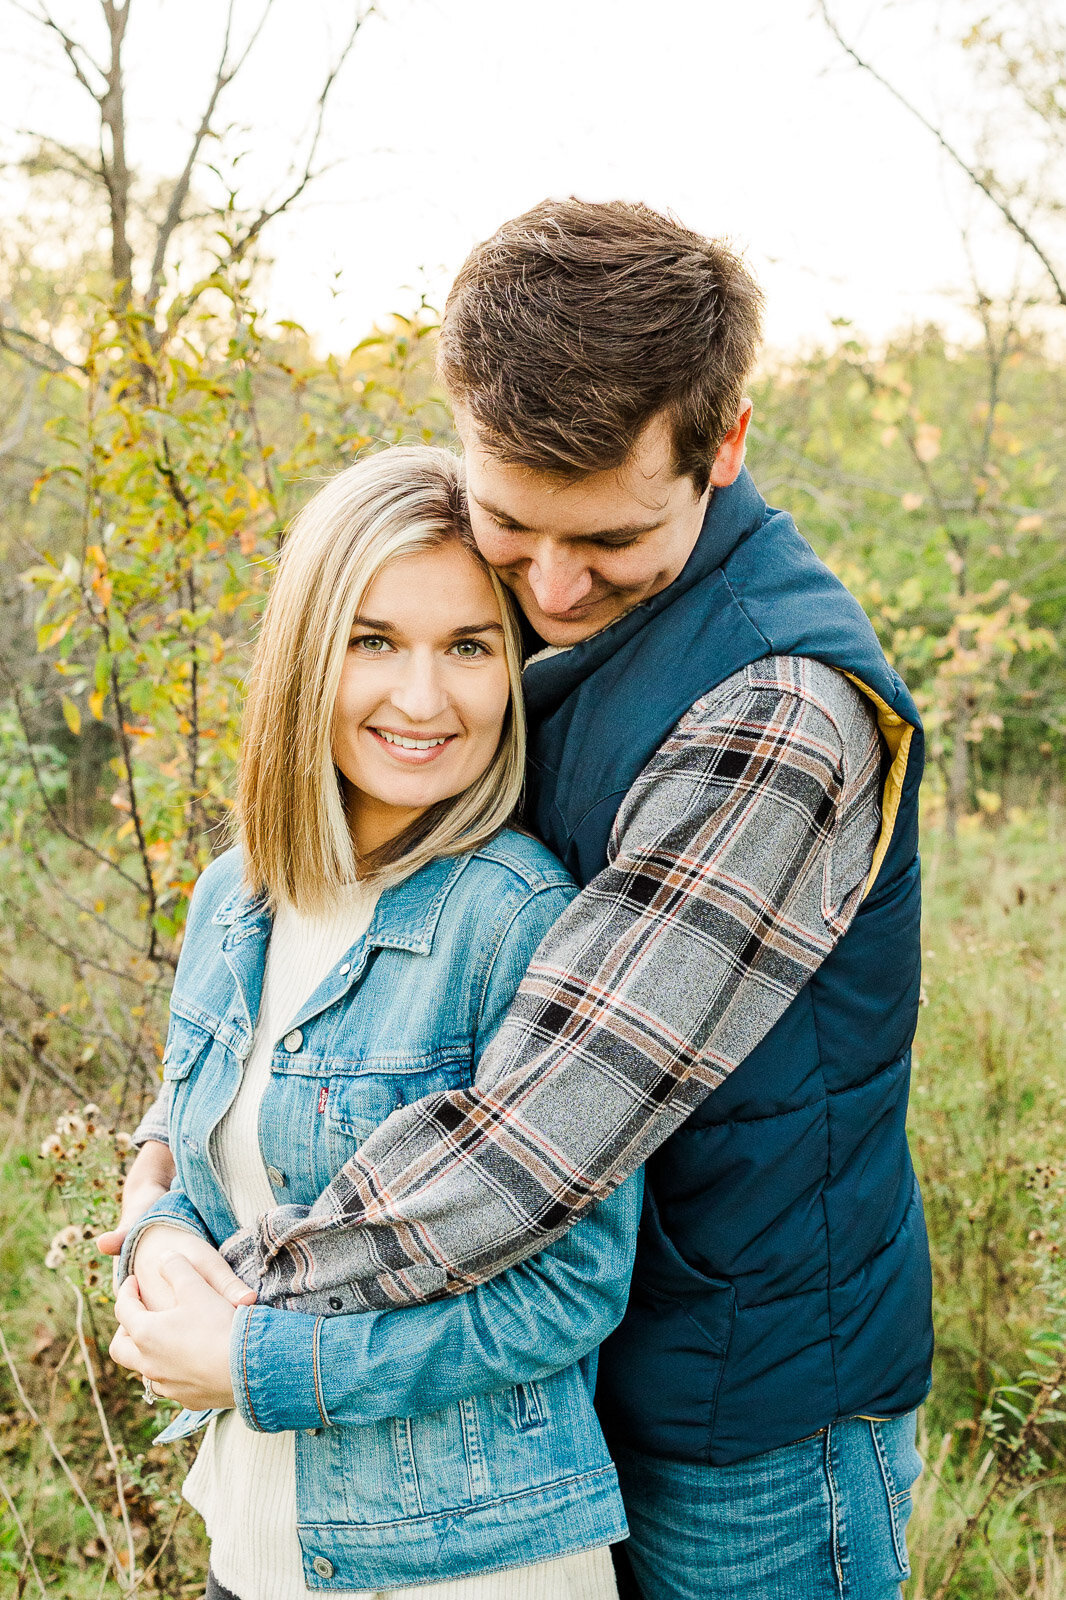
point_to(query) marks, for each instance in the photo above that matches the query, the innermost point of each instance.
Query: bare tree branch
(79, 166)
(114, 166)
(224, 76)
(250, 234)
(41, 1060)
(985, 185)
(71, 47)
(45, 357)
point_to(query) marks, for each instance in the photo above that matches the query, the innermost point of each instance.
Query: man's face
(578, 554)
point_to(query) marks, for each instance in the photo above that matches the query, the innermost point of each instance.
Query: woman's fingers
(130, 1309)
(220, 1276)
(123, 1351)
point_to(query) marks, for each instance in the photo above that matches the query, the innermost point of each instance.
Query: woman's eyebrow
(476, 627)
(375, 623)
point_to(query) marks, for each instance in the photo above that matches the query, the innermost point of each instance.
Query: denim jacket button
(344, 968)
(276, 1176)
(293, 1041)
(323, 1567)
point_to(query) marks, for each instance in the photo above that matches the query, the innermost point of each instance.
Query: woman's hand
(185, 1350)
(149, 1177)
(159, 1241)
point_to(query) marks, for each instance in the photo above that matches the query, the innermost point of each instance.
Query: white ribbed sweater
(244, 1483)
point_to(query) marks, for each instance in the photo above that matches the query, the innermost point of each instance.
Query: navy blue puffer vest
(782, 1276)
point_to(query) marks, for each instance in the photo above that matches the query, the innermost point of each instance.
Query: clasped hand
(178, 1334)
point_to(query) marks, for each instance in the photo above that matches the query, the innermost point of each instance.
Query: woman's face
(423, 692)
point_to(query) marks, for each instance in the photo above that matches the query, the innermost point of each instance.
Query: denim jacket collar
(405, 917)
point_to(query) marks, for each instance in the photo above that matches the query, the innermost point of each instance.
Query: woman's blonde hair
(290, 805)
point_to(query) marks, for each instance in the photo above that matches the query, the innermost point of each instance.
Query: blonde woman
(355, 953)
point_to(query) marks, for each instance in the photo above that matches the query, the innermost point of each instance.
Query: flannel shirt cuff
(275, 1368)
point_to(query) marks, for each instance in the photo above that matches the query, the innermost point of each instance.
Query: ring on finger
(150, 1396)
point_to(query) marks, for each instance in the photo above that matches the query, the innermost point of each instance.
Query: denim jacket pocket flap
(186, 1043)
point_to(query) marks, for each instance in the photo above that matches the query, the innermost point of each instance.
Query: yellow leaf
(49, 637)
(71, 715)
(125, 830)
(96, 704)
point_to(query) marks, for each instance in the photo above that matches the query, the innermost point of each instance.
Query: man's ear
(725, 468)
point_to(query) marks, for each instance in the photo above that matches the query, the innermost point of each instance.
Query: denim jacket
(438, 1440)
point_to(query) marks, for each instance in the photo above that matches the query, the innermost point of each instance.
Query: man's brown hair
(576, 323)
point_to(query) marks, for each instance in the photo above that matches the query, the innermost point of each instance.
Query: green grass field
(988, 1126)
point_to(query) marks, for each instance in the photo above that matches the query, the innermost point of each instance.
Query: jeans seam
(834, 1513)
(894, 1496)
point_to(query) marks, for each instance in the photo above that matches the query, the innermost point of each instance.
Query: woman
(357, 953)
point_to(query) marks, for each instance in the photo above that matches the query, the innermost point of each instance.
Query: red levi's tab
(323, 1096)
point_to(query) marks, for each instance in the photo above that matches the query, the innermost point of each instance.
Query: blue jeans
(823, 1519)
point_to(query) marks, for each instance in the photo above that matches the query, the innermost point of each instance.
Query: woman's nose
(420, 692)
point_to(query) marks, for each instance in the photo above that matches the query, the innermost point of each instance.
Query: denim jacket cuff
(275, 1365)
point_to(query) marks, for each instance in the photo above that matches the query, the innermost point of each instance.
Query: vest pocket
(662, 1273)
(661, 1369)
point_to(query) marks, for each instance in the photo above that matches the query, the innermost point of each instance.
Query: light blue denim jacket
(438, 1440)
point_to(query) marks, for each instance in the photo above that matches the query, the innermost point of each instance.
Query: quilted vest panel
(782, 1276)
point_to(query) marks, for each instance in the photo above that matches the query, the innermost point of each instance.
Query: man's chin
(562, 631)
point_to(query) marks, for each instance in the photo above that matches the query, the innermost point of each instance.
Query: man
(722, 756)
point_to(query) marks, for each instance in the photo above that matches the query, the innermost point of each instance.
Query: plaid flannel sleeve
(737, 862)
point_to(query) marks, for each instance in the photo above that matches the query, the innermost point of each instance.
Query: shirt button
(336, 1303)
(344, 968)
(323, 1567)
(276, 1176)
(293, 1040)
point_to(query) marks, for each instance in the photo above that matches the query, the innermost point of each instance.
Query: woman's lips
(407, 756)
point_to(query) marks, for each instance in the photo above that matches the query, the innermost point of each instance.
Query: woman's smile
(415, 749)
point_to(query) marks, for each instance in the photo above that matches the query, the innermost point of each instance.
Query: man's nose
(419, 692)
(559, 581)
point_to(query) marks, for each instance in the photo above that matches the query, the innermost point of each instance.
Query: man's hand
(185, 1350)
(149, 1177)
(160, 1241)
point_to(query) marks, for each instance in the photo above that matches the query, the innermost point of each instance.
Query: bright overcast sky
(454, 114)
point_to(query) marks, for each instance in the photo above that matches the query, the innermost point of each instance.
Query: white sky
(454, 114)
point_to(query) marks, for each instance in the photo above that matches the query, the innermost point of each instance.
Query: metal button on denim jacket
(440, 1440)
